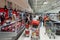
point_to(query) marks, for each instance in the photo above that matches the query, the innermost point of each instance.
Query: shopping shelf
(11, 35)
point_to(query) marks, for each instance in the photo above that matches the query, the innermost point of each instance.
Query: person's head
(48, 18)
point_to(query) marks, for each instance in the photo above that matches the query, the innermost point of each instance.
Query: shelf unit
(5, 35)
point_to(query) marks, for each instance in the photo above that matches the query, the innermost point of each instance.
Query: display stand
(11, 35)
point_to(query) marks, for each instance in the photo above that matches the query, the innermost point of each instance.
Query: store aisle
(22, 37)
(45, 37)
(42, 35)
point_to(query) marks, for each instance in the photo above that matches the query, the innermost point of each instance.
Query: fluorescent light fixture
(45, 3)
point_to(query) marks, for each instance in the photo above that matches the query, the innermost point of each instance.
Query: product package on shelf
(10, 23)
(8, 28)
(11, 27)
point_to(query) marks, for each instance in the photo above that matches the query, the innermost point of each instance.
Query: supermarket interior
(29, 19)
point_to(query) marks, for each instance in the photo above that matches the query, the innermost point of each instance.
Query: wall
(18, 4)
(2, 3)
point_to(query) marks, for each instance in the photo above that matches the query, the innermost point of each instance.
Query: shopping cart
(50, 29)
(53, 31)
(35, 30)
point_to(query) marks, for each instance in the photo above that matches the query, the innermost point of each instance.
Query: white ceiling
(40, 7)
(22, 4)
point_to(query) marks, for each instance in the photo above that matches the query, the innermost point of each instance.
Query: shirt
(35, 18)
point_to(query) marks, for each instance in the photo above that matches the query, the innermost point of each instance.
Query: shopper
(27, 19)
(41, 20)
(47, 24)
(44, 20)
(30, 17)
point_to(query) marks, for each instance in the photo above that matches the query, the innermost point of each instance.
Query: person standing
(27, 19)
(41, 20)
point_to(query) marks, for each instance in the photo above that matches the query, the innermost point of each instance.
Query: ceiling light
(45, 3)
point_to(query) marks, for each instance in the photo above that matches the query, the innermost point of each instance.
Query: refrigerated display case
(11, 30)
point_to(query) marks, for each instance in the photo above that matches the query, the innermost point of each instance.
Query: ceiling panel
(41, 7)
(23, 4)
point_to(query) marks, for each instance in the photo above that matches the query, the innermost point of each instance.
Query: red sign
(1, 9)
